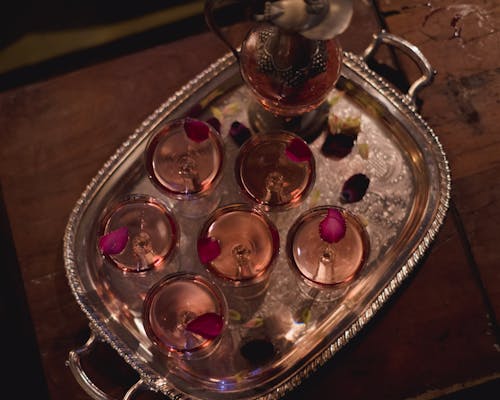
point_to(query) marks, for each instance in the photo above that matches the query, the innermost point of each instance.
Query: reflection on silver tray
(403, 211)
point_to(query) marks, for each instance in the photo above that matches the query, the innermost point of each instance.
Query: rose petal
(208, 249)
(354, 188)
(208, 325)
(239, 133)
(215, 123)
(338, 145)
(114, 242)
(196, 130)
(298, 151)
(333, 227)
(258, 351)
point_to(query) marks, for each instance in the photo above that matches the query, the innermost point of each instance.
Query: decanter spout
(313, 19)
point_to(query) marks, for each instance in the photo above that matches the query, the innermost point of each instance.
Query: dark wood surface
(438, 336)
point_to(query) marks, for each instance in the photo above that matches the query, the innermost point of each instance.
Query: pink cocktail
(184, 315)
(184, 160)
(327, 264)
(238, 244)
(138, 233)
(276, 170)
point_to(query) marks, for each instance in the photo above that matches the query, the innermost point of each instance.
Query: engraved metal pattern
(389, 193)
(290, 76)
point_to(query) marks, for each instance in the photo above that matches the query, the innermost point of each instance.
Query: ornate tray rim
(403, 102)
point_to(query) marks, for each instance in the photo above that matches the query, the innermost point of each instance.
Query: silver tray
(403, 210)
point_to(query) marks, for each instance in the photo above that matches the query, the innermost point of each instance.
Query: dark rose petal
(114, 242)
(215, 123)
(354, 188)
(258, 351)
(338, 145)
(298, 151)
(239, 133)
(208, 249)
(196, 130)
(333, 227)
(208, 325)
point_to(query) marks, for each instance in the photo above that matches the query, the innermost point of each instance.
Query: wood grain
(435, 337)
(461, 41)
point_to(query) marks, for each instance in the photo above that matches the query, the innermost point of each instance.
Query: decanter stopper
(313, 19)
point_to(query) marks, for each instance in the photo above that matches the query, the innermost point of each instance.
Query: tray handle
(409, 49)
(75, 365)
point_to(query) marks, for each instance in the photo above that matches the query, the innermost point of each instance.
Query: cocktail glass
(276, 170)
(138, 233)
(325, 268)
(184, 160)
(176, 303)
(238, 245)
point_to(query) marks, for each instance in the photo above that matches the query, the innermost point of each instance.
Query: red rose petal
(114, 242)
(333, 227)
(208, 325)
(354, 188)
(298, 151)
(208, 249)
(196, 130)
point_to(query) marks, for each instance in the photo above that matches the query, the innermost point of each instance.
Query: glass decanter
(290, 60)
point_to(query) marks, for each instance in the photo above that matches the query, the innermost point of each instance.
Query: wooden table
(438, 336)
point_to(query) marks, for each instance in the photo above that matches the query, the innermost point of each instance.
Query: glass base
(313, 294)
(308, 125)
(197, 207)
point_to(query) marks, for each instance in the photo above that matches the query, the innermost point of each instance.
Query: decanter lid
(313, 19)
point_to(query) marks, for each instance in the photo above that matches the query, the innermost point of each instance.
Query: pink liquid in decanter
(288, 73)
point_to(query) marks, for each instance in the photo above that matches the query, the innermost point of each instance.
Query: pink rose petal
(208, 249)
(208, 325)
(196, 130)
(333, 227)
(298, 151)
(114, 242)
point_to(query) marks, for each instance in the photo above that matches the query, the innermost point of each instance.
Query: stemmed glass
(238, 245)
(276, 170)
(185, 315)
(138, 233)
(327, 247)
(184, 160)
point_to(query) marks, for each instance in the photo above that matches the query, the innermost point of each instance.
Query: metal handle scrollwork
(75, 365)
(412, 51)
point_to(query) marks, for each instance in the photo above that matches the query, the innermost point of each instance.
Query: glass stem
(143, 248)
(241, 256)
(325, 264)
